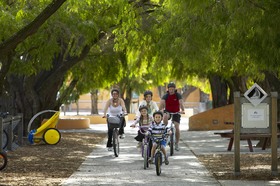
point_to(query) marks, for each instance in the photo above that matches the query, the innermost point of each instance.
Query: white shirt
(152, 107)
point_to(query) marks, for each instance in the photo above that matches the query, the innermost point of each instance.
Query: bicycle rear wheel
(5, 139)
(171, 145)
(116, 142)
(158, 163)
(3, 160)
(146, 156)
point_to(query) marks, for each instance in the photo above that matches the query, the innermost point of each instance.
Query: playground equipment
(47, 131)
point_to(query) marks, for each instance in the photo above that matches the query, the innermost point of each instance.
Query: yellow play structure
(47, 131)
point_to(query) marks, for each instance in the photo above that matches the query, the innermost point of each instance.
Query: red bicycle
(3, 160)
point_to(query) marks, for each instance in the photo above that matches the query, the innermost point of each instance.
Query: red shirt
(172, 103)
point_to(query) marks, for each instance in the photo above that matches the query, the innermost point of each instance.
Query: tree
(39, 66)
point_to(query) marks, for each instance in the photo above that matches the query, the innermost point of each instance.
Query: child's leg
(153, 150)
(163, 151)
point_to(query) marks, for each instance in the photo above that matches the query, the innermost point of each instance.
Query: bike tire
(5, 139)
(171, 145)
(116, 143)
(158, 163)
(3, 160)
(146, 156)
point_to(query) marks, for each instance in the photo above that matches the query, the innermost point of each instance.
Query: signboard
(255, 94)
(255, 116)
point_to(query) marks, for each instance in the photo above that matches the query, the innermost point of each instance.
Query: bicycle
(173, 135)
(158, 152)
(3, 160)
(114, 122)
(145, 148)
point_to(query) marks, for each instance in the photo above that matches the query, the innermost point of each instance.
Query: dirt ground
(50, 164)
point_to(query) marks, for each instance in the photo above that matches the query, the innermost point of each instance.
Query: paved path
(102, 168)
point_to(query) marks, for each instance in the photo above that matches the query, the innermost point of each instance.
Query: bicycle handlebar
(119, 115)
(172, 113)
(143, 127)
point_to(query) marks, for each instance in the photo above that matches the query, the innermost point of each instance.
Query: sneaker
(177, 147)
(166, 161)
(110, 148)
(139, 145)
(122, 136)
(151, 160)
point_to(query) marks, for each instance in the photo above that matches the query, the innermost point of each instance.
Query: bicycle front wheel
(5, 139)
(116, 142)
(158, 163)
(3, 160)
(146, 156)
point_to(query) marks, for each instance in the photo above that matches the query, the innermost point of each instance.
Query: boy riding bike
(158, 128)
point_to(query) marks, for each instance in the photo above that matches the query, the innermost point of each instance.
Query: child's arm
(135, 123)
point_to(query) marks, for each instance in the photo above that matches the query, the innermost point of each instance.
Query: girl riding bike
(143, 120)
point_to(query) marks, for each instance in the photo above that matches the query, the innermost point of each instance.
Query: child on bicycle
(151, 105)
(144, 120)
(158, 127)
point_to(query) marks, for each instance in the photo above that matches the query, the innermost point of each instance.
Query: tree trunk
(94, 101)
(237, 83)
(219, 91)
(36, 93)
(271, 84)
(127, 99)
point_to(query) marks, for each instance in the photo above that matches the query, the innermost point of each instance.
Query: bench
(245, 136)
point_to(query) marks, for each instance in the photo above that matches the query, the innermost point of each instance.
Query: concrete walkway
(102, 168)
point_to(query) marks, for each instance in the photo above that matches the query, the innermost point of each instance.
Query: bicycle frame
(145, 149)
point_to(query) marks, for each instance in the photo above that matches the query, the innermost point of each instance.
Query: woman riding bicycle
(116, 107)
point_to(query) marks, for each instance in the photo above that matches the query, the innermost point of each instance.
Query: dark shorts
(175, 117)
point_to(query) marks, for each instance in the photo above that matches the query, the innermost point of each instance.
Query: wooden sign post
(255, 114)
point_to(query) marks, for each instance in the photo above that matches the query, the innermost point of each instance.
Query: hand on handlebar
(182, 112)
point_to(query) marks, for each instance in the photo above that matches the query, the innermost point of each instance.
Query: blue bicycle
(158, 138)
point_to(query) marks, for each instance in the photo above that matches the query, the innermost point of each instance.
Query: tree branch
(11, 43)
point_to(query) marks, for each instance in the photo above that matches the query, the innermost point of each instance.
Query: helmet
(171, 84)
(143, 107)
(147, 92)
(115, 90)
(158, 112)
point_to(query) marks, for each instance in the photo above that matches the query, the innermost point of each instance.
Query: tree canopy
(75, 46)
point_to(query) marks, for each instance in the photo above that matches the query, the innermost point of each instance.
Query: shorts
(175, 117)
(163, 143)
